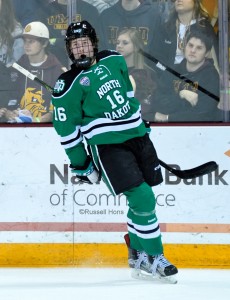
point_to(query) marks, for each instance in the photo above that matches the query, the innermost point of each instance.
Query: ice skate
(148, 267)
(153, 268)
(162, 268)
(138, 261)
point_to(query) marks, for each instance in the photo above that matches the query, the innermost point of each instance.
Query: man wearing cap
(37, 60)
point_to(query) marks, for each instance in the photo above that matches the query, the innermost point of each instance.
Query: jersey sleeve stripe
(72, 140)
(104, 125)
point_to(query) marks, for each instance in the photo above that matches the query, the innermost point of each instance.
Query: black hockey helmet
(77, 30)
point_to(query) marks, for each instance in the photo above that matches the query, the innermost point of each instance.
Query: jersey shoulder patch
(64, 82)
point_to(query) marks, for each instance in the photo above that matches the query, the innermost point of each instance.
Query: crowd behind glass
(171, 49)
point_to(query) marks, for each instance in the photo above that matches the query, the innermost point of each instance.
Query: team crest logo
(59, 86)
(85, 81)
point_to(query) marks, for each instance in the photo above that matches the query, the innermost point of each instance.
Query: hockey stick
(31, 76)
(183, 174)
(192, 173)
(172, 71)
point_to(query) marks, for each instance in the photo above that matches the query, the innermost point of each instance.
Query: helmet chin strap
(84, 62)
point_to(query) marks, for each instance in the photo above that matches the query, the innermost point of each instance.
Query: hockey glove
(86, 173)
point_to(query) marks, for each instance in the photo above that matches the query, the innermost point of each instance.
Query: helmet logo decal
(59, 86)
(85, 81)
(77, 31)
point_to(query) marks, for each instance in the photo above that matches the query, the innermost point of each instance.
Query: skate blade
(141, 275)
(168, 279)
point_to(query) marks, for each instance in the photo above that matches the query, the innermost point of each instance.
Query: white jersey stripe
(113, 125)
(72, 139)
(100, 121)
(106, 129)
(71, 136)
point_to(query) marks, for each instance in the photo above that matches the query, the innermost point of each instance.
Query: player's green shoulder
(64, 82)
(107, 53)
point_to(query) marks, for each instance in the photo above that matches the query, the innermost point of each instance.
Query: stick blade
(197, 171)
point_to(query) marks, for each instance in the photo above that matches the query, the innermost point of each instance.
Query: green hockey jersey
(97, 104)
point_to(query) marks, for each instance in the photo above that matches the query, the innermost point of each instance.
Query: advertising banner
(40, 200)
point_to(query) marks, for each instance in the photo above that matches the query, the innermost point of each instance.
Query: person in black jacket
(25, 10)
(8, 94)
(186, 16)
(140, 15)
(193, 94)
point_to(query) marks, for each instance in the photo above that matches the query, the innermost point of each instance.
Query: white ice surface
(109, 284)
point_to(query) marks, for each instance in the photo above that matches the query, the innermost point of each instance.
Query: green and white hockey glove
(86, 173)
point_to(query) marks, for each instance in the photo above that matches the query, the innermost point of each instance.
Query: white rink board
(32, 191)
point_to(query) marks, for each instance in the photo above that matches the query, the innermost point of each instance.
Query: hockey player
(94, 100)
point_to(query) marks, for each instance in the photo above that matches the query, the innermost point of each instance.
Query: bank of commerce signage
(38, 184)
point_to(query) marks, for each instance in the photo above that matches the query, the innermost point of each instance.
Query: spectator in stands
(224, 104)
(186, 16)
(25, 10)
(56, 16)
(11, 43)
(212, 8)
(8, 94)
(143, 78)
(182, 100)
(102, 4)
(164, 8)
(37, 59)
(141, 15)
